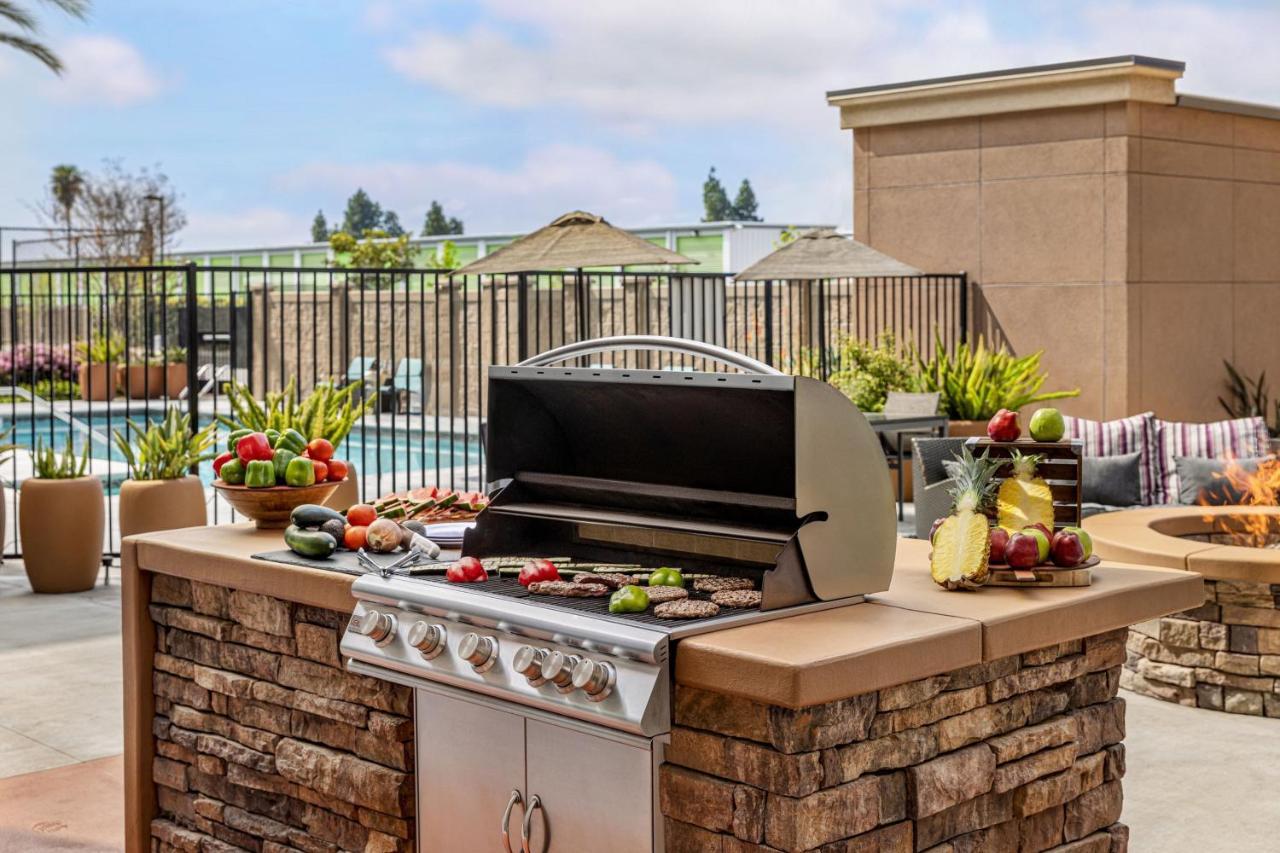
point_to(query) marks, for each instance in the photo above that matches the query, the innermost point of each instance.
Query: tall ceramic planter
(175, 379)
(97, 381)
(144, 380)
(61, 523)
(147, 505)
(967, 429)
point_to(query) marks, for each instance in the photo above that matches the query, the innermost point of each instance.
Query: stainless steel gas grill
(755, 475)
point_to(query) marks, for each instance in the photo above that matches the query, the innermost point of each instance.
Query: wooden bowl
(270, 507)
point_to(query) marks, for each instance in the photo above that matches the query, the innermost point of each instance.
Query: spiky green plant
(104, 349)
(51, 465)
(327, 412)
(166, 449)
(1249, 398)
(976, 382)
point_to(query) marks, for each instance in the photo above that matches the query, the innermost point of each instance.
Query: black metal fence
(83, 350)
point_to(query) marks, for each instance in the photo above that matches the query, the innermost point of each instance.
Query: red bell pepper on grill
(220, 461)
(254, 446)
(538, 570)
(466, 570)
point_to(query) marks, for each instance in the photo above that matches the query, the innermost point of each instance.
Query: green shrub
(105, 349)
(867, 372)
(976, 382)
(166, 449)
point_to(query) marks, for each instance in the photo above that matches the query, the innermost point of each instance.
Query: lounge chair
(407, 386)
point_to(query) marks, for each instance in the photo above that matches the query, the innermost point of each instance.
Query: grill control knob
(594, 679)
(479, 651)
(558, 669)
(528, 662)
(428, 639)
(379, 627)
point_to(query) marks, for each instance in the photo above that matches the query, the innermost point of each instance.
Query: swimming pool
(373, 450)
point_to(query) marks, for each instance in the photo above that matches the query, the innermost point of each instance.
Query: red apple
(1085, 540)
(1003, 426)
(1068, 550)
(1023, 551)
(1044, 542)
(999, 541)
(1047, 531)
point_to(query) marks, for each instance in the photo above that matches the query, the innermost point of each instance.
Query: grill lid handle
(657, 343)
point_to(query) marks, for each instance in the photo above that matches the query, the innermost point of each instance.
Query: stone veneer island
(920, 720)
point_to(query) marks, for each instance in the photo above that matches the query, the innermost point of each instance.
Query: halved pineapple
(963, 541)
(1024, 499)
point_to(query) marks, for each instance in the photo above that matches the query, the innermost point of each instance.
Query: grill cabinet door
(470, 758)
(596, 792)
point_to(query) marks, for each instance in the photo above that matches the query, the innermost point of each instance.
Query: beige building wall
(1137, 243)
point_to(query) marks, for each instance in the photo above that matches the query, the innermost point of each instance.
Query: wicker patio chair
(930, 480)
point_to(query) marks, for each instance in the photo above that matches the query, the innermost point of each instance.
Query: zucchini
(309, 543)
(314, 515)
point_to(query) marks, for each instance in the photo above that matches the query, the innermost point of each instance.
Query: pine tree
(319, 228)
(362, 214)
(437, 223)
(745, 206)
(391, 224)
(715, 201)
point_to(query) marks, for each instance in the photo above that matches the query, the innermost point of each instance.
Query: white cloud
(104, 69)
(548, 181)
(256, 226)
(770, 63)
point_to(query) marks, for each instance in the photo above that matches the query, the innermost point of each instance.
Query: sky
(510, 112)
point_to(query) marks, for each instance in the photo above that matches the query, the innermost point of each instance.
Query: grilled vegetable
(258, 474)
(466, 570)
(232, 472)
(1024, 499)
(961, 544)
(299, 473)
(309, 543)
(538, 570)
(383, 536)
(629, 599)
(314, 515)
(666, 577)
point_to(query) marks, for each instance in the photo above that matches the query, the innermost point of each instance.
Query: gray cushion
(1200, 480)
(1111, 480)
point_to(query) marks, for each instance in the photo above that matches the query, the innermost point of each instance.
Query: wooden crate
(1060, 467)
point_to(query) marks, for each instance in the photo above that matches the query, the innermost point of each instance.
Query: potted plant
(161, 492)
(144, 376)
(175, 371)
(60, 516)
(976, 382)
(99, 360)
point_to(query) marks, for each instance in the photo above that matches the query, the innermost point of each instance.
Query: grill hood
(773, 476)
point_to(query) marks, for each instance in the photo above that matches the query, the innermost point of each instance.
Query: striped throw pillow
(1240, 438)
(1134, 434)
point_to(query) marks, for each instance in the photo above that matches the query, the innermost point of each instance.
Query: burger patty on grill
(568, 589)
(737, 598)
(686, 608)
(659, 594)
(611, 580)
(721, 584)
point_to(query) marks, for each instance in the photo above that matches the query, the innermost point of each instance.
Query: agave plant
(1248, 398)
(327, 412)
(976, 382)
(51, 465)
(166, 449)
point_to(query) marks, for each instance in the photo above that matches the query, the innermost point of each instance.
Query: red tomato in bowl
(321, 449)
(321, 469)
(337, 470)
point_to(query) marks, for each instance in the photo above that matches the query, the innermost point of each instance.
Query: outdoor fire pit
(1225, 654)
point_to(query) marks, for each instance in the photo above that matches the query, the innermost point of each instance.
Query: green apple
(1048, 425)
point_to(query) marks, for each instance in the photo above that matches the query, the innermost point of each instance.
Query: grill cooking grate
(505, 587)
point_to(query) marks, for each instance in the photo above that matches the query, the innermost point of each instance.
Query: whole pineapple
(1024, 499)
(962, 543)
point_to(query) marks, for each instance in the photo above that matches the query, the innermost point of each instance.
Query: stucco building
(1130, 231)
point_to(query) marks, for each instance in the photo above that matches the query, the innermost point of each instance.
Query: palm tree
(25, 23)
(65, 183)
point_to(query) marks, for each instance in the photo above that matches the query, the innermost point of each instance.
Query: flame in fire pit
(1260, 487)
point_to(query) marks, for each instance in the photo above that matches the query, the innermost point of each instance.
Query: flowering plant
(26, 362)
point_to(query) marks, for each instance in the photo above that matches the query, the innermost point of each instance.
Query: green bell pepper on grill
(232, 472)
(300, 472)
(629, 599)
(235, 436)
(259, 474)
(290, 439)
(281, 462)
(666, 577)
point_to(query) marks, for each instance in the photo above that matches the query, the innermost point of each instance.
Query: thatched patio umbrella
(573, 241)
(824, 254)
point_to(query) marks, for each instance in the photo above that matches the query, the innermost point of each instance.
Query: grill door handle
(506, 819)
(656, 343)
(526, 827)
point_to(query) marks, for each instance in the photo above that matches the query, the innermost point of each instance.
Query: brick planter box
(1022, 753)
(262, 741)
(1223, 655)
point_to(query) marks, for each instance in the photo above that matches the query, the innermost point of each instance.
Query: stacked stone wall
(1022, 753)
(1223, 655)
(263, 742)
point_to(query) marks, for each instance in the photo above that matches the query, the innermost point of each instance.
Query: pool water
(370, 449)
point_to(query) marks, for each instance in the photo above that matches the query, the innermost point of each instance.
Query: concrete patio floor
(1197, 780)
